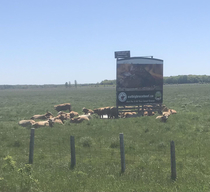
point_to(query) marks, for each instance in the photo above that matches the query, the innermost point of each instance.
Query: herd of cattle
(48, 119)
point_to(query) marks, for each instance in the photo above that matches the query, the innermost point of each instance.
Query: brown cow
(167, 113)
(68, 115)
(87, 115)
(26, 123)
(55, 120)
(150, 113)
(63, 107)
(61, 113)
(163, 117)
(58, 119)
(165, 109)
(173, 111)
(62, 117)
(128, 114)
(41, 124)
(86, 111)
(79, 119)
(99, 112)
(44, 116)
(73, 114)
(113, 112)
(109, 111)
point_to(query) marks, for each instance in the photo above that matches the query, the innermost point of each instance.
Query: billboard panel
(139, 81)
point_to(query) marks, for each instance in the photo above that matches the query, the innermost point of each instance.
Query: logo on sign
(158, 95)
(122, 97)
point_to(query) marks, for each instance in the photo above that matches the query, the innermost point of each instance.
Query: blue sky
(53, 42)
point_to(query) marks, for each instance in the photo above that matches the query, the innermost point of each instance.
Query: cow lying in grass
(44, 116)
(87, 115)
(67, 116)
(128, 114)
(166, 113)
(149, 113)
(165, 109)
(169, 112)
(39, 124)
(173, 111)
(79, 119)
(50, 122)
(73, 114)
(163, 117)
(57, 119)
(26, 123)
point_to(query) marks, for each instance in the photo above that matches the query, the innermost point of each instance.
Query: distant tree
(75, 83)
(66, 84)
(108, 82)
(69, 84)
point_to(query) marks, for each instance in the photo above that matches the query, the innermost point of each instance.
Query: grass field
(98, 168)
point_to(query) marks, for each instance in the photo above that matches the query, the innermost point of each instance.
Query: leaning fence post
(73, 156)
(122, 153)
(31, 149)
(173, 161)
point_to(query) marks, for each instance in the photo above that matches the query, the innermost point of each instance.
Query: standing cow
(63, 107)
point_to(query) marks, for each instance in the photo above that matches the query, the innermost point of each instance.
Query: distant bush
(108, 82)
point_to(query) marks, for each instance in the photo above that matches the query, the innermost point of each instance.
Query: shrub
(9, 163)
(86, 141)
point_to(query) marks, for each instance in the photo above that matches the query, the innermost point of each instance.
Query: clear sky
(57, 41)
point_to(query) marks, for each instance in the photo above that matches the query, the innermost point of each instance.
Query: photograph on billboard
(139, 81)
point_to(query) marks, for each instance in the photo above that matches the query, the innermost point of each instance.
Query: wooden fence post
(31, 149)
(73, 156)
(122, 153)
(173, 161)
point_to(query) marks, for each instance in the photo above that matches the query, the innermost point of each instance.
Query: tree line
(180, 79)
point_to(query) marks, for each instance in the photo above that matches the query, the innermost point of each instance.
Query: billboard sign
(139, 81)
(122, 54)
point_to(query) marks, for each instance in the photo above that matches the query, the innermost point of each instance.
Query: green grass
(98, 168)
